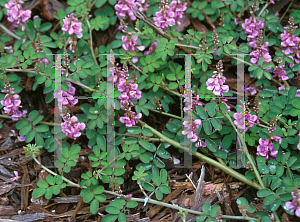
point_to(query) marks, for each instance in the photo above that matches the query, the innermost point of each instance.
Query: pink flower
(280, 73)
(169, 15)
(124, 7)
(67, 100)
(70, 127)
(295, 203)
(129, 119)
(244, 120)
(72, 26)
(265, 148)
(16, 14)
(216, 83)
(16, 176)
(11, 104)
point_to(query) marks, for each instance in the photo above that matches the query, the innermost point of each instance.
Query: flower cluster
(65, 103)
(279, 71)
(11, 102)
(169, 15)
(124, 7)
(16, 14)
(295, 203)
(216, 83)
(265, 148)
(244, 120)
(261, 50)
(66, 99)
(129, 92)
(290, 42)
(191, 125)
(70, 126)
(72, 26)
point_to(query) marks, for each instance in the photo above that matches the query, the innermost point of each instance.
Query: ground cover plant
(157, 80)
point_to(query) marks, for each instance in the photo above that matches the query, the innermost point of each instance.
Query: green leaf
(94, 206)
(211, 145)
(210, 110)
(292, 93)
(33, 115)
(263, 192)
(99, 3)
(158, 194)
(122, 217)
(21, 123)
(144, 144)
(206, 208)
(156, 179)
(42, 128)
(214, 211)
(216, 124)
(164, 189)
(50, 180)
(269, 199)
(207, 127)
(112, 210)
(242, 202)
(275, 205)
(131, 204)
(87, 197)
(45, 27)
(38, 192)
(25, 130)
(201, 112)
(42, 184)
(30, 136)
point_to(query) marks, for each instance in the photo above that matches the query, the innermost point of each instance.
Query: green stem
(246, 152)
(263, 9)
(137, 136)
(41, 122)
(91, 42)
(176, 207)
(166, 114)
(9, 32)
(204, 158)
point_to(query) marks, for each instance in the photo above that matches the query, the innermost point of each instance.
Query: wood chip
(7, 210)
(6, 188)
(31, 217)
(154, 210)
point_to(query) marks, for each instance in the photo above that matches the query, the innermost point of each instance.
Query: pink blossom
(280, 73)
(265, 148)
(72, 26)
(129, 119)
(252, 27)
(244, 120)
(16, 14)
(16, 176)
(11, 105)
(70, 126)
(216, 83)
(295, 203)
(169, 15)
(67, 98)
(124, 7)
